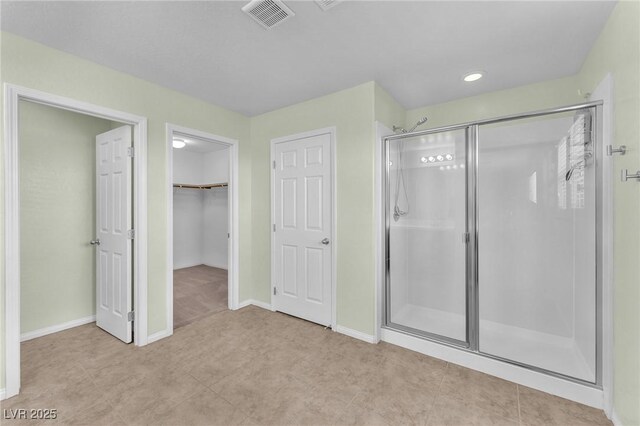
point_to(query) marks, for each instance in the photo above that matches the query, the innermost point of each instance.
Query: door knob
(325, 241)
(95, 242)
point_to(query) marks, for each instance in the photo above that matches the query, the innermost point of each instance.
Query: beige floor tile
(356, 415)
(137, 397)
(481, 391)
(101, 414)
(256, 367)
(295, 403)
(538, 408)
(450, 411)
(400, 402)
(203, 408)
(252, 388)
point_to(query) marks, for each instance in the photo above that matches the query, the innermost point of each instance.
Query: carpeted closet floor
(197, 292)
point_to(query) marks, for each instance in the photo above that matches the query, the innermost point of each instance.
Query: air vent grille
(327, 4)
(268, 13)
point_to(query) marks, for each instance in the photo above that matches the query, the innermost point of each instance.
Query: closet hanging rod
(204, 186)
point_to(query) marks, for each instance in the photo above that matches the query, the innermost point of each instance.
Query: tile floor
(256, 367)
(197, 292)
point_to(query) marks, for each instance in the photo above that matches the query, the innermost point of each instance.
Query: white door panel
(302, 212)
(113, 254)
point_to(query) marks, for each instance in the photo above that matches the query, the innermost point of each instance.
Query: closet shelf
(203, 186)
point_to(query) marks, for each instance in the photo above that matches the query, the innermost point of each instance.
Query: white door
(303, 228)
(113, 242)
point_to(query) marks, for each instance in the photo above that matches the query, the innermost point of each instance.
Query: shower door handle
(325, 241)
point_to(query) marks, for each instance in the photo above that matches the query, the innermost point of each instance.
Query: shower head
(419, 123)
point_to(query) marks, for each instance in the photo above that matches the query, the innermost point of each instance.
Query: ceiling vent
(268, 13)
(327, 4)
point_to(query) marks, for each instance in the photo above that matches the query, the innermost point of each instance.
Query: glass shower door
(426, 225)
(537, 242)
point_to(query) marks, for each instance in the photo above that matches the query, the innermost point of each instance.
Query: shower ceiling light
(179, 143)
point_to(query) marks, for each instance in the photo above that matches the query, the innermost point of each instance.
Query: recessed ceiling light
(473, 76)
(179, 143)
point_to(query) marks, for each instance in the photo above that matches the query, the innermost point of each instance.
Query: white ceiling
(416, 50)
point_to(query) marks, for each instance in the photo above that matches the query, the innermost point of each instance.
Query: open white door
(114, 234)
(303, 228)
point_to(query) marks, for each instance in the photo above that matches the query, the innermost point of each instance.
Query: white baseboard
(191, 265)
(257, 303)
(615, 419)
(56, 328)
(185, 265)
(563, 388)
(369, 338)
(219, 266)
(159, 335)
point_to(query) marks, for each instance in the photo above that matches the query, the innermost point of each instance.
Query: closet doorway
(201, 259)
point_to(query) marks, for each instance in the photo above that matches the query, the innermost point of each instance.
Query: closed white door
(303, 228)
(114, 234)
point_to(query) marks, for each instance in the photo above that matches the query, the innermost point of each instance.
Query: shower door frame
(472, 343)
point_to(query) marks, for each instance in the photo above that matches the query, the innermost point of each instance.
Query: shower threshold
(543, 350)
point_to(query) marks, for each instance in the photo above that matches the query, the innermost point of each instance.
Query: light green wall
(617, 51)
(532, 97)
(386, 109)
(351, 112)
(57, 215)
(35, 66)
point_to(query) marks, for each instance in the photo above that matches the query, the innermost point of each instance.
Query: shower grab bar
(624, 175)
(611, 150)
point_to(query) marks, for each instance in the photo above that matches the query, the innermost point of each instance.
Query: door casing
(13, 94)
(173, 130)
(331, 131)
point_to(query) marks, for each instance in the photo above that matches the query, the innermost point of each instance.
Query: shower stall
(492, 235)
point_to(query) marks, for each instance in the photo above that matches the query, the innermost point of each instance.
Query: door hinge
(131, 234)
(466, 237)
(275, 291)
(131, 151)
(274, 164)
(274, 227)
(131, 316)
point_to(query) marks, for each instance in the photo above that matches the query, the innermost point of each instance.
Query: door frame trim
(13, 94)
(331, 131)
(234, 241)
